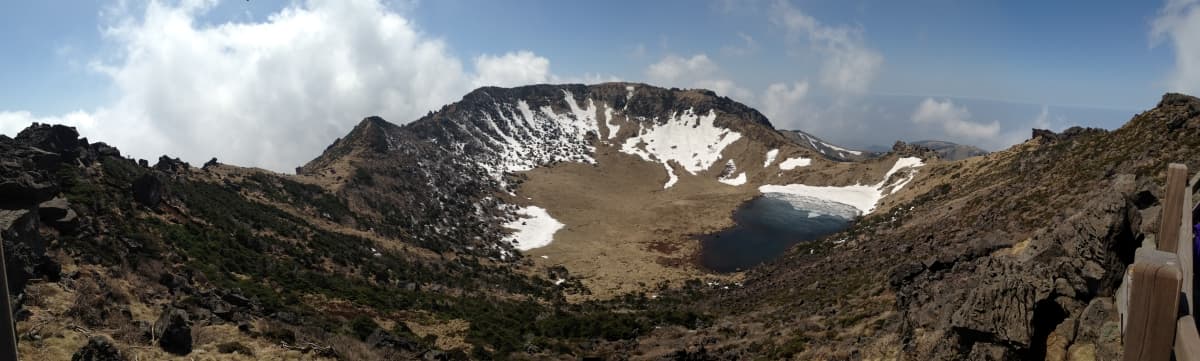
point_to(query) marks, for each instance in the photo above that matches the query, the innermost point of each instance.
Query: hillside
(1013, 255)
(560, 222)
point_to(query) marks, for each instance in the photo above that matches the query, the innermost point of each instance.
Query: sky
(271, 83)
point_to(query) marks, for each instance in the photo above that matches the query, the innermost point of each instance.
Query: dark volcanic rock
(25, 189)
(1068, 134)
(171, 165)
(174, 331)
(24, 250)
(1188, 108)
(59, 139)
(912, 150)
(98, 348)
(148, 190)
(54, 209)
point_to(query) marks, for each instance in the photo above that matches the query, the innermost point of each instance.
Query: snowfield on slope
(863, 198)
(793, 163)
(689, 139)
(533, 229)
(525, 138)
(771, 154)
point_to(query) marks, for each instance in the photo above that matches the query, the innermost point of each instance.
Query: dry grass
(450, 334)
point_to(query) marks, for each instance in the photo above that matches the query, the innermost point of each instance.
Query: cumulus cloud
(12, 123)
(849, 66)
(954, 120)
(672, 69)
(780, 101)
(1179, 23)
(511, 69)
(697, 71)
(271, 93)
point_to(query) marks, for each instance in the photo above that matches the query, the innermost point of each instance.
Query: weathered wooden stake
(1185, 247)
(8, 336)
(1153, 307)
(1168, 230)
(1187, 341)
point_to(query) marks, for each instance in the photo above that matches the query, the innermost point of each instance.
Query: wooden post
(1187, 341)
(8, 336)
(1185, 247)
(1153, 308)
(1168, 230)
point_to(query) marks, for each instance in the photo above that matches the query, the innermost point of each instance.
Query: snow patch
(735, 181)
(613, 128)
(861, 198)
(793, 163)
(771, 154)
(533, 229)
(671, 177)
(691, 140)
(727, 176)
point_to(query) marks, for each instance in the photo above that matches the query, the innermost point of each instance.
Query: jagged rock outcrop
(1187, 110)
(1067, 134)
(951, 151)
(912, 150)
(1016, 301)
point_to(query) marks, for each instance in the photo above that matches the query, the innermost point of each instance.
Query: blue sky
(269, 83)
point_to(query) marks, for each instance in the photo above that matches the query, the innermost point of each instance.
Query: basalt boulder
(174, 331)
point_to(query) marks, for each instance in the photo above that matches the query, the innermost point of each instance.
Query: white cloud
(12, 123)
(954, 120)
(272, 93)
(587, 78)
(697, 71)
(1042, 121)
(780, 102)
(849, 65)
(748, 46)
(672, 69)
(511, 69)
(637, 51)
(1179, 21)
